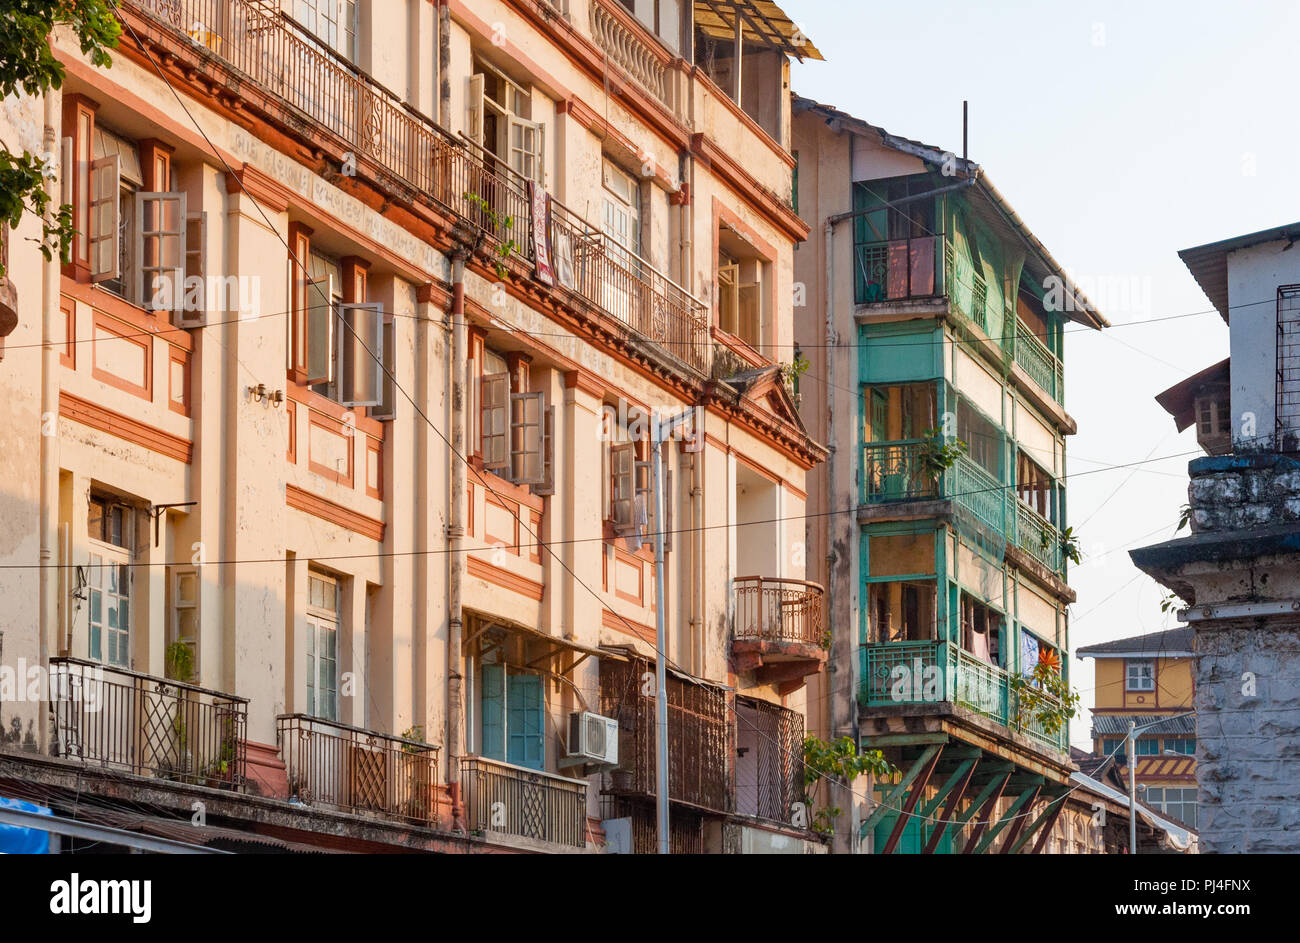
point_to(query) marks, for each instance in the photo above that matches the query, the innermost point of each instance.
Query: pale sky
(1121, 132)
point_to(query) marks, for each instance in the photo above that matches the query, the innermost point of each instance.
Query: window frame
(1129, 665)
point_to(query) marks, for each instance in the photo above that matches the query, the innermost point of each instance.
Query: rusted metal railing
(779, 610)
(526, 803)
(357, 770)
(147, 725)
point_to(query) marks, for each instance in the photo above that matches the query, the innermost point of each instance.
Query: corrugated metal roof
(762, 22)
(1167, 643)
(1209, 263)
(1116, 725)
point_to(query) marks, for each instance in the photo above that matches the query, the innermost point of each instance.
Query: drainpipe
(444, 64)
(49, 592)
(455, 538)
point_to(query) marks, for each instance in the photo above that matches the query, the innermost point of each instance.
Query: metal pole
(661, 646)
(1132, 788)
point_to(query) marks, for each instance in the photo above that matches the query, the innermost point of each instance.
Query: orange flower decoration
(1048, 657)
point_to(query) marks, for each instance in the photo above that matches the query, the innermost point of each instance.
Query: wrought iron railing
(893, 269)
(1038, 537)
(147, 725)
(356, 770)
(769, 771)
(526, 803)
(929, 672)
(371, 122)
(968, 293)
(779, 610)
(1039, 363)
(894, 471)
(699, 736)
(980, 493)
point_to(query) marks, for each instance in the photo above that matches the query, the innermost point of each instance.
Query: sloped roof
(1180, 399)
(998, 209)
(1209, 263)
(1116, 725)
(763, 22)
(1171, 642)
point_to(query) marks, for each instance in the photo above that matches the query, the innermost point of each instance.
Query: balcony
(1039, 363)
(147, 726)
(524, 803)
(779, 631)
(628, 45)
(894, 471)
(899, 269)
(934, 672)
(419, 159)
(1036, 536)
(359, 771)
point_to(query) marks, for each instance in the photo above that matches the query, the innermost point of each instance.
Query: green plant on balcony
(1044, 697)
(178, 662)
(835, 762)
(792, 371)
(936, 455)
(496, 225)
(28, 65)
(1069, 545)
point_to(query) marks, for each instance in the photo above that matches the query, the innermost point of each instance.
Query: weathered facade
(934, 317)
(328, 499)
(1239, 570)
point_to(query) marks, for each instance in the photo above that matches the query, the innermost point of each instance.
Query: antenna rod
(965, 124)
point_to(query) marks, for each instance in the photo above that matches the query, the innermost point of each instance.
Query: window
(982, 438)
(109, 577)
(898, 413)
(185, 615)
(1034, 486)
(661, 17)
(895, 247)
(1139, 675)
(515, 426)
(337, 339)
(322, 646)
(981, 630)
(901, 611)
(499, 113)
(333, 22)
(1178, 803)
(628, 499)
(1146, 746)
(1112, 746)
(513, 711)
(1185, 746)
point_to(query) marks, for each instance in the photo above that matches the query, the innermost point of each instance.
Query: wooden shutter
(474, 109)
(387, 408)
(494, 420)
(547, 485)
(525, 715)
(622, 460)
(105, 222)
(160, 252)
(318, 304)
(492, 707)
(361, 351)
(527, 438)
(67, 173)
(194, 312)
(644, 522)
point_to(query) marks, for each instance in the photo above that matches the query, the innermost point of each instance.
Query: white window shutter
(196, 254)
(160, 252)
(494, 421)
(105, 222)
(318, 298)
(474, 110)
(361, 351)
(644, 517)
(525, 142)
(527, 438)
(547, 485)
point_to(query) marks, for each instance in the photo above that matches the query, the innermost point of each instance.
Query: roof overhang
(1180, 399)
(760, 21)
(1209, 263)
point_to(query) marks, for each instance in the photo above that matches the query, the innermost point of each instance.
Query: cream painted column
(354, 702)
(579, 481)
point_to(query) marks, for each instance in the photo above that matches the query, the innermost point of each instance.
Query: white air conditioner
(592, 739)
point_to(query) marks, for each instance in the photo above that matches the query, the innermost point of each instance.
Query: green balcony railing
(980, 493)
(893, 471)
(897, 269)
(933, 672)
(1039, 363)
(968, 292)
(1037, 537)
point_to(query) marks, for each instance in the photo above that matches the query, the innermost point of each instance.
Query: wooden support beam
(913, 795)
(953, 803)
(901, 740)
(992, 793)
(985, 842)
(881, 808)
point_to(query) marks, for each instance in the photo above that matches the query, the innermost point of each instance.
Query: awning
(761, 22)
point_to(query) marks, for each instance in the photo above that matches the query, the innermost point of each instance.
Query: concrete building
(934, 316)
(1148, 680)
(327, 500)
(1238, 570)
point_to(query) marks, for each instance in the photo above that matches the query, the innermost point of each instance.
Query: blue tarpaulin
(23, 841)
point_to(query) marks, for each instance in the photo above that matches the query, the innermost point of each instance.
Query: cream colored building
(340, 412)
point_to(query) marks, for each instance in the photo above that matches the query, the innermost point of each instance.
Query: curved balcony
(780, 630)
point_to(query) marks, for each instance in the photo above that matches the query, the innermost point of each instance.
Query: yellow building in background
(1142, 680)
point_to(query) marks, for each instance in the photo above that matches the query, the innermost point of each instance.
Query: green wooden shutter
(524, 709)
(492, 704)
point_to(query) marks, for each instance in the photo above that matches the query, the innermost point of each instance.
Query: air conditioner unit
(592, 739)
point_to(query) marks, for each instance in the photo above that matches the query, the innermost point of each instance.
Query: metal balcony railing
(893, 471)
(980, 493)
(1039, 363)
(779, 610)
(894, 269)
(356, 770)
(146, 725)
(1038, 537)
(369, 121)
(932, 672)
(526, 803)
